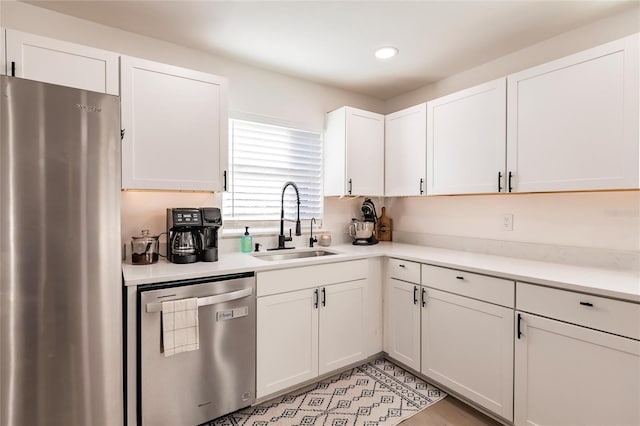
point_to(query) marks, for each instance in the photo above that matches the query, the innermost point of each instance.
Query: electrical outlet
(507, 222)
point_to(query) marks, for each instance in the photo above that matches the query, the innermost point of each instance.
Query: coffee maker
(211, 223)
(183, 233)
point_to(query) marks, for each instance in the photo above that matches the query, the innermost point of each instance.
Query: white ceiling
(332, 42)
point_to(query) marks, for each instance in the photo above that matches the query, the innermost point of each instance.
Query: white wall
(608, 220)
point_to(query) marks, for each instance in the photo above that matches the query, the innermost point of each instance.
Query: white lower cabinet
(402, 322)
(575, 361)
(341, 325)
(458, 334)
(305, 333)
(287, 340)
(569, 374)
(467, 345)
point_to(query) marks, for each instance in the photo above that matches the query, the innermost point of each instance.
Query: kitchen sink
(288, 254)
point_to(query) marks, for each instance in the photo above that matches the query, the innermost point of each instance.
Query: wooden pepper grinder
(385, 226)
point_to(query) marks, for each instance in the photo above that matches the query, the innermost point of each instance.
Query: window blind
(262, 158)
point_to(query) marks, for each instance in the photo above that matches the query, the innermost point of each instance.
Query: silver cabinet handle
(207, 300)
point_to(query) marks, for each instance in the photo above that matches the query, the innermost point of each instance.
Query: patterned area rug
(378, 393)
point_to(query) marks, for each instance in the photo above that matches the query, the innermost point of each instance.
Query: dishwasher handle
(207, 300)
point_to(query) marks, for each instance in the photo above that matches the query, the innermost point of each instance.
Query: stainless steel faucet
(282, 238)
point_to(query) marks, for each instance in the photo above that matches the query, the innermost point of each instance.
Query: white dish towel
(180, 329)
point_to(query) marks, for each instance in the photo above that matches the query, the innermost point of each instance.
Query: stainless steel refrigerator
(60, 270)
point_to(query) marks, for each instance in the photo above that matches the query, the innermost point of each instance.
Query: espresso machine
(211, 223)
(183, 232)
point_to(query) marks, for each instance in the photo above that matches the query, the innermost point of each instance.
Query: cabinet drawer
(404, 270)
(600, 313)
(283, 280)
(481, 287)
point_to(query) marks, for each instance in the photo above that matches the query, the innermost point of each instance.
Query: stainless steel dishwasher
(190, 388)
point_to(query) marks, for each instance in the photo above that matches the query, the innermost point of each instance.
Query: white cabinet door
(365, 152)
(354, 153)
(175, 123)
(405, 151)
(571, 375)
(342, 329)
(402, 322)
(287, 340)
(573, 123)
(467, 345)
(466, 140)
(59, 62)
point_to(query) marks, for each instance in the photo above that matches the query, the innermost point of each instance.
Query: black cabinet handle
(586, 304)
(324, 297)
(402, 266)
(315, 298)
(350, 186)
(122, 132)
(224, 176)
(421, 184)
(415, 295)
(519, 329)
(499, 181)
(510, 176)
(424, 297)
(13, 69)
(459, 277)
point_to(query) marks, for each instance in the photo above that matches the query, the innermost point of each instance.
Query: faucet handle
(289, 238)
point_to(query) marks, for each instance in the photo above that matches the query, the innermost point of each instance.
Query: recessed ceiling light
(386, 52)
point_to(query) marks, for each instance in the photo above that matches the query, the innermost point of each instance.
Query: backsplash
(147, 210)
(580, 256)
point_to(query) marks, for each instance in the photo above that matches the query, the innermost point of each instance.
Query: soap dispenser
(246, 241)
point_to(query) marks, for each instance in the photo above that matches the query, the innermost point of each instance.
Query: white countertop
(603, 282)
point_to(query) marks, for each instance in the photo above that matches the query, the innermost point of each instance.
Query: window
(262, 158)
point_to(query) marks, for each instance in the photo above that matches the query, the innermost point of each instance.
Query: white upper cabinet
(354, 153)
(573, 123)
(59, 62)
(175, 123)
(405, 152)
(466, 140)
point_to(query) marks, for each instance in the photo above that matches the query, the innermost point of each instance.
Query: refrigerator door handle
(207, 300)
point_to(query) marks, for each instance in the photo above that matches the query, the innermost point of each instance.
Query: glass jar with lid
(145, 248)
